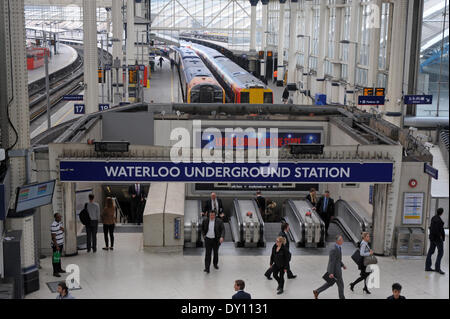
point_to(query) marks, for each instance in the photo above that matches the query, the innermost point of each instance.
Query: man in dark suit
(283, 233)
(261, 201)
(334, 272)
(437, 237)
(325, 208)
(214, 204)
(239, 286)
(137, 201)
(213, 232)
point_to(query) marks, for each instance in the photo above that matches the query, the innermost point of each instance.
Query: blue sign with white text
(430, 170)
(283, 172)
(73, 97)
(371, 100)
(103, 106)
(418, 99)
(78, 109)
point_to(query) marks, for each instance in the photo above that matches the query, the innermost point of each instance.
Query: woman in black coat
(279, 261)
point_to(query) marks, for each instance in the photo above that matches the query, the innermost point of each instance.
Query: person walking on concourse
(334, 272)
(437, 237)
(213, 232)
(279, 262)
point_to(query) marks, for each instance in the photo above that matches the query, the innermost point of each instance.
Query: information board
(34, 195)
(412, 208)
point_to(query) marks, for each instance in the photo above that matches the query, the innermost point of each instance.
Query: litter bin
(416, 241)
(402, 242)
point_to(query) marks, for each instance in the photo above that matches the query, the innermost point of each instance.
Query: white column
(138, 11)
(374, 52)
(351, 62)
(306, 41)
(293, 41)
(131, 33)
(264, 36)
(264, 23)
(117, 52)
(70, 219)
(280, 66)
(323, 41)
(90, 56)
(394, 102)
(253, 25)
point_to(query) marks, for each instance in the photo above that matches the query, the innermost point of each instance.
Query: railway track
(62, 83)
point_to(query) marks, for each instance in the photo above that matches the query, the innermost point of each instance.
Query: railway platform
(66, 56)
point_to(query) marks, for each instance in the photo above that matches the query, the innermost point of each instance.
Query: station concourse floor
(66, 56)
(131, 272)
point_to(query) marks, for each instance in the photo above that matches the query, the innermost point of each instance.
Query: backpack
(84, 216)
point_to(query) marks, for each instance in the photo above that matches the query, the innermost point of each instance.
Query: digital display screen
(34, 195)
(256, 139)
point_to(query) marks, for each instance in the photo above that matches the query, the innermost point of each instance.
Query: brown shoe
(316, 294)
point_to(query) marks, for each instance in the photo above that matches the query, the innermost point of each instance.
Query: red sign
(412, 183)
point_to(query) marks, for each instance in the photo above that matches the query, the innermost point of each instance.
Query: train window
(218, 97)
(245, 97)
(268, 97)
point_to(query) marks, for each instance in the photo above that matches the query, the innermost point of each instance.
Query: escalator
(306, 228)
(352, 219)
(246, 224)
(193, 223)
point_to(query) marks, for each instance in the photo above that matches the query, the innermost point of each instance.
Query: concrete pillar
(292, 61)
(280, 66)
(323, 41)
(374, 52)
(90, 56)
(394, 101)
(264, 36)
(69, 219)
(131, 33)
(253, 25)
(117, 51)
(352, 49)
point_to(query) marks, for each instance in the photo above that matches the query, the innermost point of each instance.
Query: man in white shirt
(214, 232)
(57, 232)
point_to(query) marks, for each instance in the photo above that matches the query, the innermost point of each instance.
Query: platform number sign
(103, 107)
(79, 109)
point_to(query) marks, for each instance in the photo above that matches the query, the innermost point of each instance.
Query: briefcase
(329, 280)
(369, 260)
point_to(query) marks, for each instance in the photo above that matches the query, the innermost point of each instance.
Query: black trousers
(211, 245)
(440, 248)
(288, 271)
(326, 219)
(362, 276)
(57, 266)
(278, 274)
(91, 235)
(108, 229)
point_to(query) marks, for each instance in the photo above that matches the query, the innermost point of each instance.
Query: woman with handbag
(364, 251)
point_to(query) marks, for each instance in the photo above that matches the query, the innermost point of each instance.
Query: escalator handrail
(354, 214)
(240, 225)
(260, 220)
(297, 216)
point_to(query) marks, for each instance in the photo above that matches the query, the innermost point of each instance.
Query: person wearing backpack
(91, 229)
(364, 251)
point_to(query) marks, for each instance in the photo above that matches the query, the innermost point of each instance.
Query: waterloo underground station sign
(197, 172)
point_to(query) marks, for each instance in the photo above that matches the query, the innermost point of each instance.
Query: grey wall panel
(137, 128)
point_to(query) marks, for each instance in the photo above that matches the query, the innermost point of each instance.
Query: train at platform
(240, 86)
(198, 83)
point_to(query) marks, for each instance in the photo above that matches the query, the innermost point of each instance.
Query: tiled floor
(130, 272)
